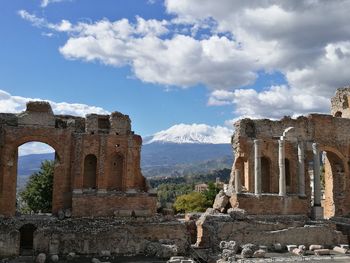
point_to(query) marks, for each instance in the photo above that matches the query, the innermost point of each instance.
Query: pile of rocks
(231, 249)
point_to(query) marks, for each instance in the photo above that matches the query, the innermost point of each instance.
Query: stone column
(317, 179)
(282, 168)
(301, 169)
(257, 167)
(238, 185)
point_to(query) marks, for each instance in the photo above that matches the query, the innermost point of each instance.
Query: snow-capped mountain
(191, 133)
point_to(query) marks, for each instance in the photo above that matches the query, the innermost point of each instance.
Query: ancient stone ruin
(97, 167)
(274, 161)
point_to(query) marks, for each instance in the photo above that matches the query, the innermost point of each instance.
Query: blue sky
(175, 61)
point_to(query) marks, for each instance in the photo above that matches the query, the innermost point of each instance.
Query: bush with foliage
(192, 202)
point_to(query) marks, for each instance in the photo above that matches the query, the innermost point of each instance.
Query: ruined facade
(97, 164)
(274, 160)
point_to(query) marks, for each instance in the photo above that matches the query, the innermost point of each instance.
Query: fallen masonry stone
(340, 250)
(298, 251)
(290, 248)
(277, 247)
(41, 258)
(253, 247)
(68, 213)
(260, 253)
(237, 213)
(226, 253)
(221, 201)
(247, 252)
(345, 246)
(314, 247)
(54, 258)
(233, 245)
(302, 247)
(223, 245)
(95, 260)
(321, 252)
(60, 214)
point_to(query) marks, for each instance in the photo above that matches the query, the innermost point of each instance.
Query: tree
(38, 191)
(192, 202)
(211, 193)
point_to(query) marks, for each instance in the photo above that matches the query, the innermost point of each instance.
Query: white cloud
(45, 3)
(274, 102)
(224, 46)
(192, 133)
(16, 104)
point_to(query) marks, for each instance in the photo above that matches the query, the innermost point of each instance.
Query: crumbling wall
(213, 228)
(75, 138)
(120, 236)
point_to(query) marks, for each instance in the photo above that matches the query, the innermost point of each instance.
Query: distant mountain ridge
(191, 133)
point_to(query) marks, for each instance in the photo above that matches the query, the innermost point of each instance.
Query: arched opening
(265, 175)
(90, 164)
(332, 183)
(26, 237)
(338, 114)
(288, 176)
(117, 172)
(35, 173)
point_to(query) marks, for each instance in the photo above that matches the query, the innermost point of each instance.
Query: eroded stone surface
(97, 171)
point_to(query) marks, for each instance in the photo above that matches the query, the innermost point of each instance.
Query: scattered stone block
(233, 245)
(41, 258)
(298, 251)
(277, 247)
(60, 214)
(68, 213)
(253, 247)
(221, 201)
(260, 253)
(223, 245)
(290, 248)
(95, 260)
(237, 213)
(340, 250)
(321, 252)
(247, 253)
(54, 258)
(314, 247)
(226, 253)
(302, 247)
(345, 246)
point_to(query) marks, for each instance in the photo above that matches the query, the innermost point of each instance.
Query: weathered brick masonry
(97, 169)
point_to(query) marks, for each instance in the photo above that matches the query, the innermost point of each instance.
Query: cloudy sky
(175, 61)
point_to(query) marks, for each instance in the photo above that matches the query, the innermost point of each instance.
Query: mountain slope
(191, 133)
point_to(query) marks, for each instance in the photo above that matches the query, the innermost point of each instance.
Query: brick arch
(43, 139)
(61, 184)
(335, 171)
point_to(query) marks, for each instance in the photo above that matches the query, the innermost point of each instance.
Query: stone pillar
(238, 185)
(317, 210)
(257, 167)
(282, 168)
(301, 169)
(317, 179)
